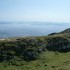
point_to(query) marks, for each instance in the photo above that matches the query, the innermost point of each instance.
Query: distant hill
(66, 31)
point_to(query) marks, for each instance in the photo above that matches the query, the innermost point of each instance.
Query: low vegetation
(45, 52)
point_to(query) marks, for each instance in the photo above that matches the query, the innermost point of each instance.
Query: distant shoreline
(2, 39)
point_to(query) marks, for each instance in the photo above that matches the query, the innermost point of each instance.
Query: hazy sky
(35, 10)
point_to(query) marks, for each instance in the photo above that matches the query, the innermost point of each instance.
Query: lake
(17, 29)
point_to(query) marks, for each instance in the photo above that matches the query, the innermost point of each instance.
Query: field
(48, 60)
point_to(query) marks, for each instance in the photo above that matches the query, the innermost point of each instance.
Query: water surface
(17, 29)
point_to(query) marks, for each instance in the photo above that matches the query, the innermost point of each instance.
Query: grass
(48, 60)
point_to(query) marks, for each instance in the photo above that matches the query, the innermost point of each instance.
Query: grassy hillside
(47, 60)
(50, 52)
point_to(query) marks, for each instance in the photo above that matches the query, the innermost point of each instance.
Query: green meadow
(47, 60)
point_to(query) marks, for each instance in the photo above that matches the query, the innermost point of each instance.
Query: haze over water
(37, 15)
(17, 29)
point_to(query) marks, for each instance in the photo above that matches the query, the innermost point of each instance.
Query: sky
(35, 10)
